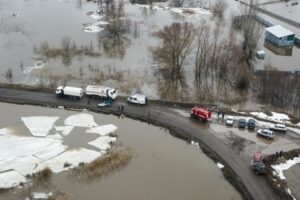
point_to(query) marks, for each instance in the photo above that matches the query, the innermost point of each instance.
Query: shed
(260, 54)
(279, 36)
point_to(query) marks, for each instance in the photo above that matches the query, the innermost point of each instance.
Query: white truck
(138, 99)
(69, 91)
(101, 91)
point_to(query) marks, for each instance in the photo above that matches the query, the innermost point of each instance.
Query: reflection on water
(283, 51)
(163, 167)
(293, 177)
(172, 85)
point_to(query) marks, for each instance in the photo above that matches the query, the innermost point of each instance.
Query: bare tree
(218, 8)
(118, 23)
(9, 75)
(177, 3)
(250, 28)
(177, 42)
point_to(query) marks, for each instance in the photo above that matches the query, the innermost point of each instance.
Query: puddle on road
(163, 167)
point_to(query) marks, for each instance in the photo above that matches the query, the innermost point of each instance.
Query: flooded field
(285, 9)
(162, 166)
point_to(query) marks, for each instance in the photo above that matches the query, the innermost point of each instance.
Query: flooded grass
(60, 196)
(104, 165)
(44, 175)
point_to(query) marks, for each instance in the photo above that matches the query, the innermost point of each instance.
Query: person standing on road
(122, 108)
(149, 114)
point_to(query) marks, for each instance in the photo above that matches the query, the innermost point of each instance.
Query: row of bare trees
(279, 89)
(218, 60)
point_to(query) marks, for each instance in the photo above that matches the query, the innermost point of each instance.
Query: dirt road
(236, 169)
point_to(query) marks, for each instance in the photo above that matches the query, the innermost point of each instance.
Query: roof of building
(279, 31)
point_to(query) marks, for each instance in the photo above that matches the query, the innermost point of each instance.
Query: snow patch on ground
(39, 125)
(103, 143)
(64, 130)
(103, 130)
(81, 120)
(11, 179)
(280, 168)
(220, 165)
(276, 117)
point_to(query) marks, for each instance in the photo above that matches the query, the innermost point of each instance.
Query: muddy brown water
(293, 177)
(163, 167)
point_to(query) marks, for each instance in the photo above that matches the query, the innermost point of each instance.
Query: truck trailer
(101, 91)
(69, 91)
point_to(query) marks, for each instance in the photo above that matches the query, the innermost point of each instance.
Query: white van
(278, 127)
(138, 99)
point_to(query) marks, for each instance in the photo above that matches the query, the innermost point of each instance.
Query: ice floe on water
(64, 130)
(92, 28)
(20, 155)
(72, 157)
(41, 195)
(103, 143)
(11, 179)
(81, 120)
(220, 165)
(102, 130)
(184, 11)
(6, 131)
(39, 125)
(37, 65)
(195, 143)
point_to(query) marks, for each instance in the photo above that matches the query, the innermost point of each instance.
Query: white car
(265, 133)
(138, 99)
(230, 121)
(279, 127)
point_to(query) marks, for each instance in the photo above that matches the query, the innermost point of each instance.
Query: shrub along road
(236, 170)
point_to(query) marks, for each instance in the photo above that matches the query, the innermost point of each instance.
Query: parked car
(279, 127)
(251, 124)
(229, 121)
(105, 103)
(139, 99)
(242, 123)
(265, 133)
(257, 164)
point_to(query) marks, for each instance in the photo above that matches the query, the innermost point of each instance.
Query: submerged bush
(44, 175)
(105, 164)
(60, 196)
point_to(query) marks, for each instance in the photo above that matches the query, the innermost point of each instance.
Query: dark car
(259, 168)
(251, 124)
(257, 164)
(242, 123)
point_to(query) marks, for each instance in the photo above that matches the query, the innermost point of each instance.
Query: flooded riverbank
(162, 166)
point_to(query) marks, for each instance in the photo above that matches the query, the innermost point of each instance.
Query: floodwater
(285, 9)
(293, 176)
(163, 167)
